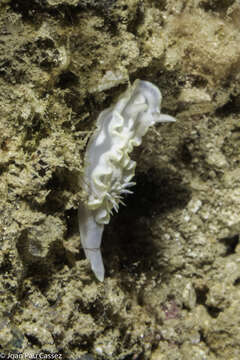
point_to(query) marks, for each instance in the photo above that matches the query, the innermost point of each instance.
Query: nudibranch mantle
(108, 170)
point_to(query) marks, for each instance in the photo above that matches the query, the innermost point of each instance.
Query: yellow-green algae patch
(172, 255)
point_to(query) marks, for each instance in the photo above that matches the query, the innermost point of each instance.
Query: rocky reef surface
(172, 256)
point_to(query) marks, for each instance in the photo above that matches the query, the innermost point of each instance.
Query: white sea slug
(108, 169)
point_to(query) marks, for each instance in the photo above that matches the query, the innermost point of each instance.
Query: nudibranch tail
(91, 237)
(109, 170)
(165, 118)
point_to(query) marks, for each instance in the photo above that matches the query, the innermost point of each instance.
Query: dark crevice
(40, 269)
(202, 336)
(230, 244)
(216, 5)
(201, 295)
(67, 80)
(33, 340)
(198, 81)
(237, 282)
(37, 10)
(6, 264)
(71, 222)
(213, 311)
(184, 152)
(27, 8)
(160, 4)
(137, 21)
(231, 107)
(132, 356)
(61, 180)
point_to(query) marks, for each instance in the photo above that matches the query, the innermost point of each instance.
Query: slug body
(108, 168)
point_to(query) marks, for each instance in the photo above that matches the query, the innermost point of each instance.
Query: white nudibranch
(108, 168)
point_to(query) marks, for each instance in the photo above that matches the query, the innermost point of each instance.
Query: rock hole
(216, 5)
(230, 244)
(231, 107)
(237, 282)
(67, 79)
(33, 340)
(201, 295)
(213, 311)
(185, 154)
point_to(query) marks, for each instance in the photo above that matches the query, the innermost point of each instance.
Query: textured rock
(172, 255)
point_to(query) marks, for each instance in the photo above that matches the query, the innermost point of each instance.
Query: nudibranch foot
(91, 237)
(95, 258)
